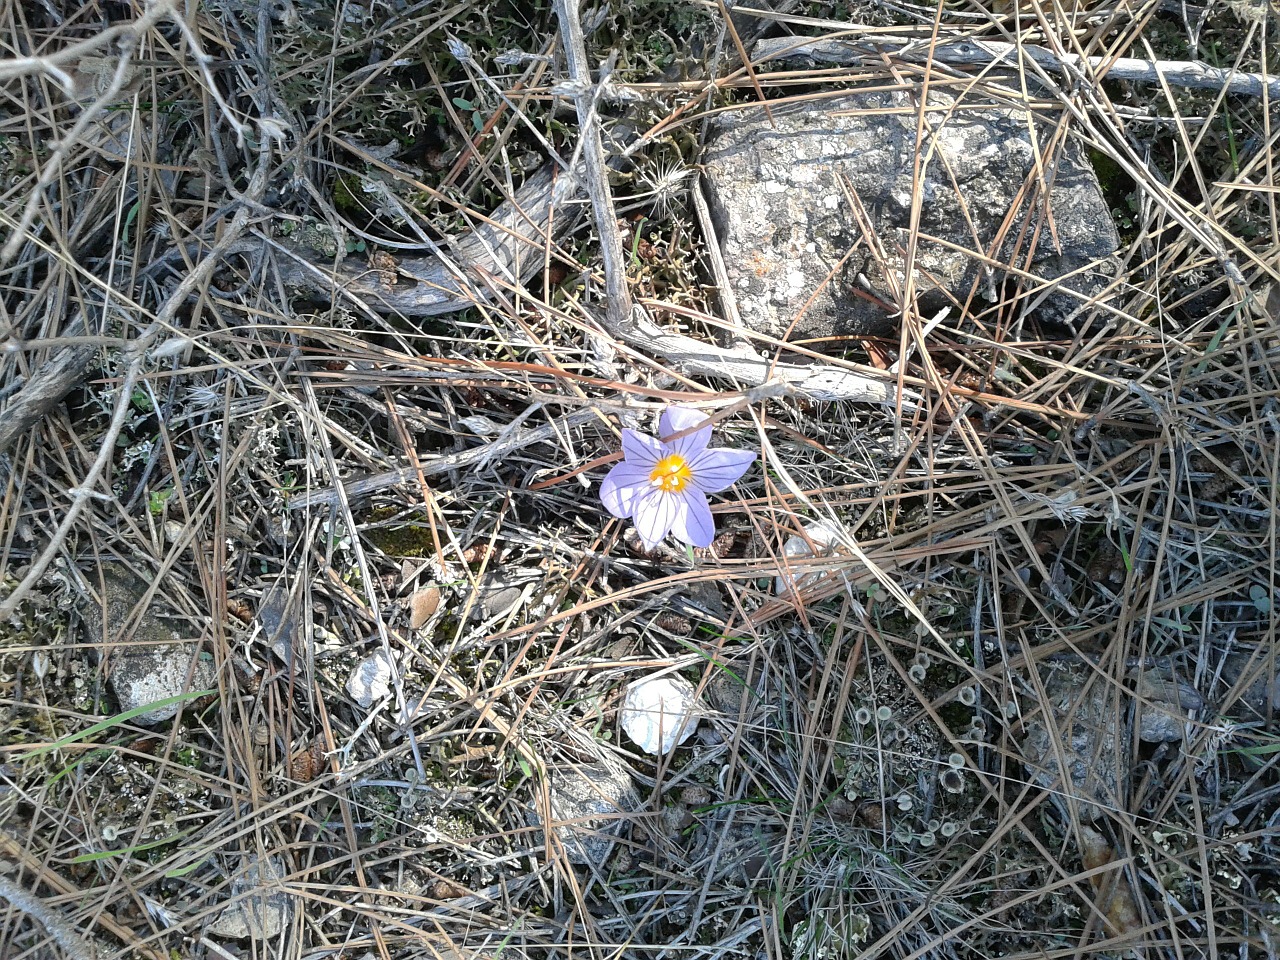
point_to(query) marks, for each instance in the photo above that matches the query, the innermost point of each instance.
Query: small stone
(448, 890)
(589, 804)
(370, 679)
(149, 660)
(705, 596)
(728, 688)
(260, 908)
(820, 539)
(422, 606)
(659, 713)
(498, 593)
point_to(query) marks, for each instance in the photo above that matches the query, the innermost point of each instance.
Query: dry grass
(1104, 498)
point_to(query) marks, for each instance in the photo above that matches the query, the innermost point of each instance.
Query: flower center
(671, 473)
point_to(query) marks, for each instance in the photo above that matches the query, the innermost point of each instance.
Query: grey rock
(780, 196)
(1079, 726)
(1253, 678)
(150, 658)
(498, 592)
(259, 908)
(1163, 706)
(589, 807)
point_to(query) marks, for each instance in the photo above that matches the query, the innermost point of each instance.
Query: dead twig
(68, 937)
(992, 53)
(47, 386)
(64, 933)
(503, 445)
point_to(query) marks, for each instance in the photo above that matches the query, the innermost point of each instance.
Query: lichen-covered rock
(149, 658)
(1163, 705)
(260, 907)
(780, 191)
(1080, 725)
(589, 803)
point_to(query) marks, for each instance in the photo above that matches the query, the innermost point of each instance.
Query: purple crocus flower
(662, 485)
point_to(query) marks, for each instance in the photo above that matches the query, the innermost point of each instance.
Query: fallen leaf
(422, 605)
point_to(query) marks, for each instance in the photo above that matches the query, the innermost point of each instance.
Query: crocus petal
(641, 449)
(622, 487)
(716, 469)
(654, 515)
(676, 419)
(694, 524)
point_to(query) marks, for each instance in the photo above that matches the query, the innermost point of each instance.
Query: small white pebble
(659, 713)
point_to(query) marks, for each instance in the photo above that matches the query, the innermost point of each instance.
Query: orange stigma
(671, 473)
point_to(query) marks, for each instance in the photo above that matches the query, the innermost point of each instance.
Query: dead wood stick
(507, 247)
(59, 928)
(67, 936)
(584, 92)
(51, 381)
(983, 53)
(508, 443)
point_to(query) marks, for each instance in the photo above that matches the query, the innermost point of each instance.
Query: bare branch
(987, 53)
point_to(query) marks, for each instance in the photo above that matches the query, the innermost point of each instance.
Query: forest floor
(355, 514)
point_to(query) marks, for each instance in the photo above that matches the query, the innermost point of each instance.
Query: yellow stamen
(671, 473)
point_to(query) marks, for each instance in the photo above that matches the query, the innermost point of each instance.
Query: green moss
(1120, 192)
(189, 757)
(402, 540)
(397, 538)
(346, 194)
